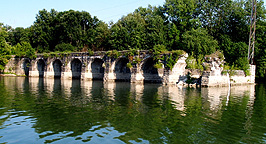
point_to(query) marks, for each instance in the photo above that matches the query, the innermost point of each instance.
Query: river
(34, 110)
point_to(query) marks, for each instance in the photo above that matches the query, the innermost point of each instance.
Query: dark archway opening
(76, 67)
(97, 69)
(57, 66)
(150, 73)
(26, 67)
(122, 71)
(41, 66)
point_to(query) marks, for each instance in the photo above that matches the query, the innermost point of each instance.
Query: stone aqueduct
(98, 67)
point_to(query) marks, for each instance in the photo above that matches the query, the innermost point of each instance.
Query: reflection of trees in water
(153, 118)
(150, 96)
(122, 94)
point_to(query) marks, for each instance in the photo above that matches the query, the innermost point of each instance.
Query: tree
(181, 13)
(71, 27)
(18, 35)
(199, 42)
(129, 32)
(155, 27)
(24, 49)
(5, 49)
(101, 36)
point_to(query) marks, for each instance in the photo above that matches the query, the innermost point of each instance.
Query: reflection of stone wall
(214, 96)
(174, 94)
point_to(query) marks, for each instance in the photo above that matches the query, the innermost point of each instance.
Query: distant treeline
(199, 27)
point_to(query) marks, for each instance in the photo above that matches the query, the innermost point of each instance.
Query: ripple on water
(117, 113)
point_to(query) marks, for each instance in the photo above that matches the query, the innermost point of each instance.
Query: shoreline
(185, 85)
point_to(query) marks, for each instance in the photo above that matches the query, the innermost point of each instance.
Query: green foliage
(193, 63)
(132, 52)
(18, 35)
(5, 49)
(158, 65)
(65, 47)
(243, 64)
(216, 54)
(46, 55)
(159, 49)
(172, 58)
(54, 54)
(233, 50)
(129, 65)
(229, 69)
(199, 42)
(128, 32)
(137, 60)
(142, 29)
(181, 12)
(90, 52)
(71, 27)
(24, 49)
(113, 54)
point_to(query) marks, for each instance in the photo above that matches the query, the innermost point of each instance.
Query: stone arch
(26, 66)
(150, 73)
(57, 67)
(121, 70)
(41, 67)
(97, 69)
(76, 67)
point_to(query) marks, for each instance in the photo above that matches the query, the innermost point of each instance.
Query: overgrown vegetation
(198, 27)
(113, 54)
(193, 63)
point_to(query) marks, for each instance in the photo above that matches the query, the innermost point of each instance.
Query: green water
(53, 111)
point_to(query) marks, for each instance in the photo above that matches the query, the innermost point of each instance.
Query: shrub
(158, 65)
(113, 54)
(64, 47)
(129, 65)
(90, 52)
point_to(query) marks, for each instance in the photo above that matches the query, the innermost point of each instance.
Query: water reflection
(55, 110)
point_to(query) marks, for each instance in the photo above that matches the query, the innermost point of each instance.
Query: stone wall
(225, 80)
(97, 67)
(101, 67)
(18, 66)
(239, 78)
(214, 76)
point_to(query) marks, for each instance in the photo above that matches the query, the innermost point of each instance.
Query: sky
(22, 13)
